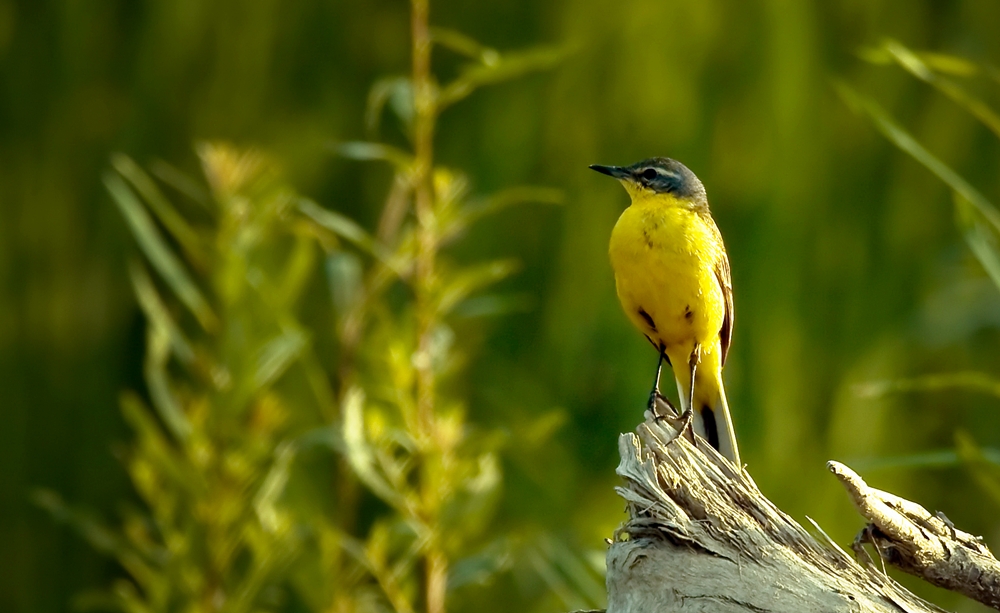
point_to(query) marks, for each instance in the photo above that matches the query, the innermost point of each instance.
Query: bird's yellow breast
(665, 256)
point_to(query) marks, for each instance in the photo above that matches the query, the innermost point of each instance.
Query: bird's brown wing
(725, 279)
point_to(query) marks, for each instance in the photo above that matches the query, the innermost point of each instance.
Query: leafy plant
(244, 508)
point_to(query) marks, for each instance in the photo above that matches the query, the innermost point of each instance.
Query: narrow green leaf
(586, 583)
(358, 452)
(493, 305)
(96, 533)
(968, 381)
(506, 67)
(156, 448)
(343, 272)
(99, 536)
(916, 66)
(341, 225)
(966, 196)
(157, 313)
(180, 181)
(277, 355)
(902, 139)
(365, 151)
(465, 282)
(398, 93)
(481, 567)
(465, 45)
(453, 225)
(161, 207)
(272, 487)
(939, 62)
(158, 344)
(980, 235)
(158, 252)
(297, 273)
(950, 64)
(942, 458)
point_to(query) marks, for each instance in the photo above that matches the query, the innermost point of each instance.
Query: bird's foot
(660, 406)
(682, 424)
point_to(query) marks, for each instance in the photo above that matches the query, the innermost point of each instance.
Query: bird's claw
(656, 402)
(682, 424)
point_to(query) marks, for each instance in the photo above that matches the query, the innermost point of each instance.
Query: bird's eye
(649, 174)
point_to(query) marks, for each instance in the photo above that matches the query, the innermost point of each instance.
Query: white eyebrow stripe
(663, 172)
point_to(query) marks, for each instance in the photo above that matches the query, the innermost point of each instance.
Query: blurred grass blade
(939, 62)
(978, 219)
(265, 503)
(277, 355)
(507, 66)
(471, 279)
(158, 252)
(375, 152)
(465, 45)
(156, 449)
(358, 452)
(481, 567)
(968, 381)
(161, 207)
(482, 207)
(156, 312)
(181, 182)
(902, 139)
(944, 458)
(981, 236)
(158, 343)
(98, 535)
(913, 64)
(950, 64)
(397, 92)
(297, 273)
(547, 570)
(344, 274)
(493, 305)
(342, 226)
(985, 472)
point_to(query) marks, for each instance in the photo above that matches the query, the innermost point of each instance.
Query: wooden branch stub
(923, 544)
(701, 537)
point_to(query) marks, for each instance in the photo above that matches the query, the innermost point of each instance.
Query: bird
(674, 283)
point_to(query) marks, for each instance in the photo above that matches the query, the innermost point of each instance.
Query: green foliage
(238, 393)
(847, 265)
(976, 216)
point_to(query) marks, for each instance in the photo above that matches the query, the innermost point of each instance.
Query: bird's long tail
(710, 418)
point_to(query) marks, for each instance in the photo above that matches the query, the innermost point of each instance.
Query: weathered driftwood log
(701, 537)
(923, 544)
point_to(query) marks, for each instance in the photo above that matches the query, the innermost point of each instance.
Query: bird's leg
(655, 397)
(684, 420)
(656, 384)
(688, 415)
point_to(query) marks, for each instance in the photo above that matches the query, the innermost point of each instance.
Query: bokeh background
(848, 265)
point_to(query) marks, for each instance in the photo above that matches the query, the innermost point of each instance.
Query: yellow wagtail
(673, 280)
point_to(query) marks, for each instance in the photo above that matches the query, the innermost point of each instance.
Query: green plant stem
(424, 204)
(435, 561)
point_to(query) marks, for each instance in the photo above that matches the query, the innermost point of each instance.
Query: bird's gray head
(660, 176)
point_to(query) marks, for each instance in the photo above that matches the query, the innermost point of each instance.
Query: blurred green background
(848, 266)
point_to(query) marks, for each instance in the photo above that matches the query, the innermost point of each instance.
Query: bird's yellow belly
(664, 263)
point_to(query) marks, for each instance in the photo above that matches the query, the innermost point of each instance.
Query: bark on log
(701, 537)
(909, 537)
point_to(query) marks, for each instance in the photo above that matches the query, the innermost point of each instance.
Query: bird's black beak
(612, 171)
